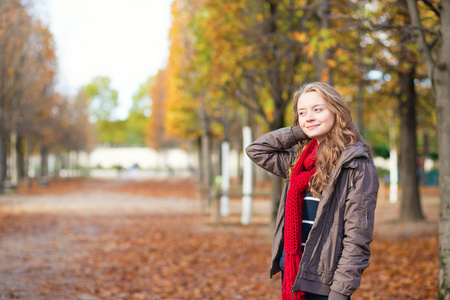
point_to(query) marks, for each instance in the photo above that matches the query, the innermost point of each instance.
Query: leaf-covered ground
(99, 239)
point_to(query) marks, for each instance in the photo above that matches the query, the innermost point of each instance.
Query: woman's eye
(301, 113)
(318, 109)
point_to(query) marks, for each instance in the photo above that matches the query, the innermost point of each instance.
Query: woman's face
(314, 117)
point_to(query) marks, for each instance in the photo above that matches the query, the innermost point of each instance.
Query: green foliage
(112, 132)
(103, 99)
(381, 151)
(141, 99)
(129, 132)
(135, 126)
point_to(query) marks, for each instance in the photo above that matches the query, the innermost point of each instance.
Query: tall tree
(397, 58)
(15, 30)
(78, 131)
(32, 114)
(194, 104)
(397, 35)
(156, 133)
(432, 32)
(269, 55)
(28, 68)
(266, 60)
(410, 208)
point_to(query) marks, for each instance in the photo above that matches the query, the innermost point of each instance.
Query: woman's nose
(309, 116)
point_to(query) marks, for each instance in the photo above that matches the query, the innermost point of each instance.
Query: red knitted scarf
(302, 172)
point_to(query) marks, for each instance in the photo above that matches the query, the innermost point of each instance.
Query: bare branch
(431, 6)
(420, 36)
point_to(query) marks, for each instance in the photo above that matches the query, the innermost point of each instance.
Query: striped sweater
(310, 206)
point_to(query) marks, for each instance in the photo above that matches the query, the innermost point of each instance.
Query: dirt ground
(123, 239)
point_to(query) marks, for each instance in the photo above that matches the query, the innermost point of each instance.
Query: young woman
(326, 214)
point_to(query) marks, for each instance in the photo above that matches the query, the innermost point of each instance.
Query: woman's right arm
(270, 150)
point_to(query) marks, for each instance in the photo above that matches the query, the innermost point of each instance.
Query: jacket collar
(345, 161)
(353, 151)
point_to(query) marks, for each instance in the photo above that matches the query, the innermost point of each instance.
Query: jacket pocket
(366, 215)
(330, 251)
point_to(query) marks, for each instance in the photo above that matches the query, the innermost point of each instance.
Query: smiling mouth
(312, 127)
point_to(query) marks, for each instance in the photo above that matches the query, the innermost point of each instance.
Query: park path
(107, 240)
(91, 240)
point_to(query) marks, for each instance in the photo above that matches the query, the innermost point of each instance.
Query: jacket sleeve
(270, 150)
(359, 215)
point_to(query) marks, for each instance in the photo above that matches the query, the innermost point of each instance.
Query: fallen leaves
(183, 187)
(402, 269)
(174, 256)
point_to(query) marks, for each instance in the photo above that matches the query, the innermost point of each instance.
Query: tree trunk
(322, 72)
(43, 172)
(205, 154)
(20, 157)
(200, 161)
(439, 74)
(410, 209)
(14, 173)
(442, 92)
(27, 160)
(206, 164)
(359, 106)
(425, 157)
(443, 128)
(3, 166)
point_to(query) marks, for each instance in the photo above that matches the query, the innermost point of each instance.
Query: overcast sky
(126, 40)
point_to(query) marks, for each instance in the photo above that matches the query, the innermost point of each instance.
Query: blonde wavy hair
(343, 133)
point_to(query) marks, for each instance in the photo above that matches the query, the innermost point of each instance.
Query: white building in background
(141, 162)
(104, 162)
(144, 158)
(135, 163)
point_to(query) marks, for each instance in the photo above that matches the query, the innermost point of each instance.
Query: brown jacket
(337, 250)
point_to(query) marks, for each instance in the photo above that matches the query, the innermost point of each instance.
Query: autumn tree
(399, 57)
(255, 54)
(63, 124)
(78, 131)
(31, 115)
(26, 86)
(431, 25)
(45, 101)
(181, 116)
(376, 36)
(156, 133)
(260, 66)
(15, 27)
(192, 102)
